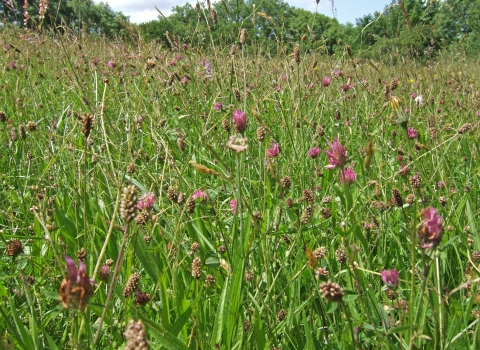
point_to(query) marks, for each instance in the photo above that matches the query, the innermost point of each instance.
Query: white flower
(419, 100)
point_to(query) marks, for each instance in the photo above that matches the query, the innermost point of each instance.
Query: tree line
(413, 27)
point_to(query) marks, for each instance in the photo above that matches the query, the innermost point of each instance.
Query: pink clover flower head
(111, 64)
(173, 63)
(390, 278)
(348, 176)
(208, 67)
(77, 287)
(13, 65)
(199, 196)
(239, 121)
(178, 57)
(430, 231)
(273, 151)
(185, 46)
(104, 273)
(313, 152)
(310, 86)
(346, 87)
(146, 201)
(338, 73)
(413, 95)
(441, 184)
(412, 133)
(337, 156)
(278, 88)
(217, 106)
(477, 114)
(233, 205)
(326, 81)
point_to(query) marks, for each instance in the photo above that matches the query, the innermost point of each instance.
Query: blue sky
(344, 10)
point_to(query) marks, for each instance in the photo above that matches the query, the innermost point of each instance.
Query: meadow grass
(255, 248)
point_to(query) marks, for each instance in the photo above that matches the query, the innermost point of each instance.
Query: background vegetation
(259, 249)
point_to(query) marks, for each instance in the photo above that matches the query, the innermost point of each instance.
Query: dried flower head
(76, 288)
(136, 336)
(14, 247)
(132, 284)
(128, 205)
(87, 124)
(237, 144)
(243, 36)
(196, 268)
(331, 291)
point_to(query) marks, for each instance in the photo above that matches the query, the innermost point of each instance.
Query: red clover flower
(337, 156)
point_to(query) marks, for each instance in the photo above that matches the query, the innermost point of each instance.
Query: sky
(344, 10)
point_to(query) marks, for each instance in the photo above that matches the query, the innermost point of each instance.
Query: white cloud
(143, 10)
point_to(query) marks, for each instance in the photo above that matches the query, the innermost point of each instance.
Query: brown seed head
(87, 124)
(296, 53)
(243, 36)
(128, 206)
(196, 268)
(320, 253)
(306, 215)
(331, 291)
(132, 285)
(14, 247)
(136, 336)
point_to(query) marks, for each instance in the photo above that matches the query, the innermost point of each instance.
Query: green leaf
(350, 296)
(212, 262)
(163, 336)
(146, 258)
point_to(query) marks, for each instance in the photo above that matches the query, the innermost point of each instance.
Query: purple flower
(412, 133)
(178, 57)
(217, 106)
(441, 184)
(233, 205)
(310, 86)
(338, 73)
(104, 273)
(208, 67)
(146, 201)
(326, 81)
(13, 65)
(337, 157)
(173, 63)
(76, 288)
(111, 64)
(185, 46)
(273, 151)
(313, 152)
(348, 176)
(430, 230)
(239, 121)
(390, 278)
(346, 87)
(413, 95)
(199, 196)
(278, 88)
